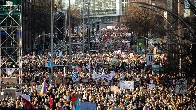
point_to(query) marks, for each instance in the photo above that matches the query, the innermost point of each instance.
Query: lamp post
(70, 46)
(51, 36)
(88, 31)
(83, 29)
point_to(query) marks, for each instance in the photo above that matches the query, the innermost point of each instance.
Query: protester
(93, 77)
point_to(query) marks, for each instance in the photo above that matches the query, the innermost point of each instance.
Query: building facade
(103, 11)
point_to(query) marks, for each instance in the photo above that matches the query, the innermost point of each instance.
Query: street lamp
(51, 36)
(88, 31)
(70, 45)
(83, 30)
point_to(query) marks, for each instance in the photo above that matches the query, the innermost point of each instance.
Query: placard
(151, 86)
(84, 80)
(39, 88)
(9, 71)
(10, 80)
(181, 86)
(114, 59)
(87, 106)
(10, 92)
(18, 94)
(1, 97)
(143, 90)
(114, 88)
(127, 84)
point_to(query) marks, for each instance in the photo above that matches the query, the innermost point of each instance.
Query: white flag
(10, 70)
(95, 75)
(103, 72)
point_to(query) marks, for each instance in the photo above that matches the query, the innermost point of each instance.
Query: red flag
(27, 104)
(51, 101)
(73, 98)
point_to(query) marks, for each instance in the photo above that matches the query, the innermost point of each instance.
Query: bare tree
(142, 20)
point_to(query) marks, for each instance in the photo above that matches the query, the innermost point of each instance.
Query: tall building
(104, 11)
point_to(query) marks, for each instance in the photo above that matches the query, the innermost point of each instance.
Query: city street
(97, 54)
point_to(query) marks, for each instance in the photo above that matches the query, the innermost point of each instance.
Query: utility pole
(51, 36)
(65, 31)
(70, 46)
(83, 44)
(88, 31)
(179, 35)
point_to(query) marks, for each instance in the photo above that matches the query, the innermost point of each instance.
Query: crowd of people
(80, 81)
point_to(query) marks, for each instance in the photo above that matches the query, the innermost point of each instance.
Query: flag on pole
(26, 102)
(43, 90)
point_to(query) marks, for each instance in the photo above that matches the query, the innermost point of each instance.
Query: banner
(181, 86)
(104, 76)
(87, 106)
(10, 92)
(27, 97)
(107, 76)
(10, 80)
(127, 84)
(10, 70)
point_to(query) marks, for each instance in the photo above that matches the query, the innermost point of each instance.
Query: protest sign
(107, 76)
(10, 92)
(143, 90)
(87, 106)
(1, 97)
(9, 80)
(114, 59)
(9, 71)
(151, 86)
(84, 80)
(114, 88)
(181, 86)
(39, 88)
(18, 94)
(127, 84)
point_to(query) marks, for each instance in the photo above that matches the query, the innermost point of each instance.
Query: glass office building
(101, 10)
